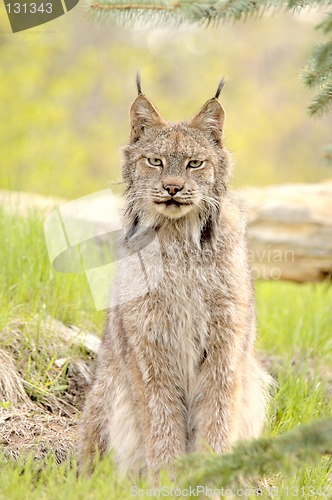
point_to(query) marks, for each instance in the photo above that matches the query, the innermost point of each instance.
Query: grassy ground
(295, 323)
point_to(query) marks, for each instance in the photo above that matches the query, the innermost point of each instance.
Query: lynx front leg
(110, 423)
(217, 413)
(93, 428)
(160, 404)
(167, 438)
(217, 408)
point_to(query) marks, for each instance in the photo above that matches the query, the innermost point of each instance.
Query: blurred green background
(66, 88)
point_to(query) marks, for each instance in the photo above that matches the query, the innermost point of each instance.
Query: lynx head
(175, 171)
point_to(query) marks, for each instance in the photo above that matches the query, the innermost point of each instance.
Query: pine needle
(266, 456)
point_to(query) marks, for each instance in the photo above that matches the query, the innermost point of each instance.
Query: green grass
(31, 292)
(28, 284)
(295, 323)
(296, 319)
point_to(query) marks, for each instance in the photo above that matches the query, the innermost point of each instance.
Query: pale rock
(290, 231)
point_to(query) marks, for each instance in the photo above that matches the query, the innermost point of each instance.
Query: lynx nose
(172, 188)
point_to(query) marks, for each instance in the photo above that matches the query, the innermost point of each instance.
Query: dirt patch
(46, 426)
(35, 431)
(33, 417)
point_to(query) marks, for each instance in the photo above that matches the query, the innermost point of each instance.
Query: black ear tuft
(220, 87)
(138, 83)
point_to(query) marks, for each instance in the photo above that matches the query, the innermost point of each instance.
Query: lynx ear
(210, 119)
(143, 115)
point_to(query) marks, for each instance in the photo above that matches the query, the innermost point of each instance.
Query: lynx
(177, 370)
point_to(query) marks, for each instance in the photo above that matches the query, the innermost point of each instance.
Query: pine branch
(266, 456)
(323, 55)
(192, 11)
(319, 70)
(326, 25)
(322, 102)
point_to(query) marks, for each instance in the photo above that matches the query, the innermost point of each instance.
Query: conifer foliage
(318, 73)
(264, 457)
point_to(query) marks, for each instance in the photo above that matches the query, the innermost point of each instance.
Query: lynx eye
(195, 163)
(155, 162)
